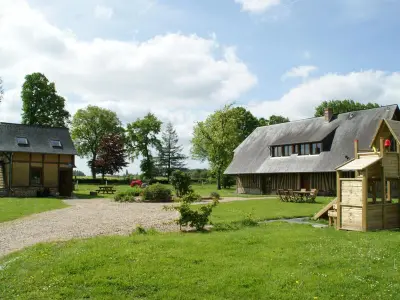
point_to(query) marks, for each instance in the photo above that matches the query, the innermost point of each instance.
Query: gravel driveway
(84, 218)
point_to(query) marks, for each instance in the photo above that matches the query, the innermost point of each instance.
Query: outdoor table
(106, 189)
(302, 194)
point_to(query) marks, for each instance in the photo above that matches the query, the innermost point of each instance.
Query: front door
(65, 183)
(305, 181)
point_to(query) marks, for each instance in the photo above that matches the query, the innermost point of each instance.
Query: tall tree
(1, 89)
(170, 157)
(246, 122)
(215, 139)
(274, 119)
(89, 127)
(141, 137)
(41, 105)
(342, 106)
(111, 157)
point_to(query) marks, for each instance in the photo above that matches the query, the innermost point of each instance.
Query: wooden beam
(355, 149)
(365, 200)
(382, 146)
(339, 199)
(389, 192)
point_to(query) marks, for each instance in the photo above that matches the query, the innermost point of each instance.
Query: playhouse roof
(360, 164)
(253, 155)
(35, 139)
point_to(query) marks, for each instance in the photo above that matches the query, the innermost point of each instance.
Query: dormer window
(55, 143)
(22, 141)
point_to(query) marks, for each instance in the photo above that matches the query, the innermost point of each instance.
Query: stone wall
(30, 191)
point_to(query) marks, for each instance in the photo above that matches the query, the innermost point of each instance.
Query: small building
(366, 202)
(304, 153)
(35, 159)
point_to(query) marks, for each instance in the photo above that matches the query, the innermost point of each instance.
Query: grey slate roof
(253, 155)
(38, 137)
(395, 126)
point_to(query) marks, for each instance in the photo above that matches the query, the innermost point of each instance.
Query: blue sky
(183, 59)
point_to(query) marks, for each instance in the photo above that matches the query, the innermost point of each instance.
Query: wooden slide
(324, 211)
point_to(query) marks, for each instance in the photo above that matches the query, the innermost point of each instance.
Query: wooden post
(355, 149)
(383, 185)
(382, 146)
(339, 199)
(365, 200)
(389, 192)
(374, 191)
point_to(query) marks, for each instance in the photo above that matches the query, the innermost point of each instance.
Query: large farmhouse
(34, 159)
(305, 153)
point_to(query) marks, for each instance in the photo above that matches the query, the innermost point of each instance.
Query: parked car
(136, 182)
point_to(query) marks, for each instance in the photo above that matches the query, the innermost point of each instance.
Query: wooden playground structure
(365, 202)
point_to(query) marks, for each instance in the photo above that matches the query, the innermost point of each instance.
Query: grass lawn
(13, 208)
(273, 261)
(265, 209)
(205, 190)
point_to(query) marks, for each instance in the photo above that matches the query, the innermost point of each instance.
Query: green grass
(265, 209)
(205, 190)
(13, 208)
(274, 261)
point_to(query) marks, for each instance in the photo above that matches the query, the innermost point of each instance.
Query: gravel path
(84, 218)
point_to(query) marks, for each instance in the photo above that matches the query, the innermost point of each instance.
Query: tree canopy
(170, 156)
(342, 106)
(111, 157)
(215, 139)
(274, 119)
(141, 137)
(246, 122)
(41, 105)
(89, 127)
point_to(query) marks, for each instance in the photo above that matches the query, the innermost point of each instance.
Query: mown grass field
(274, 261)
(83, 191)
(13, 208)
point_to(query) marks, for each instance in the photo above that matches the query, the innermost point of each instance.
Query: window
(393, 145)
(55, 143)
(22, 141)
(316, 148)
(287, 150)
(278, 151)
(307, 149)
(295, 149)
(36, 176)
(302, 149)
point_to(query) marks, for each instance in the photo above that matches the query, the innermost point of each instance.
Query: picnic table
(106, 189)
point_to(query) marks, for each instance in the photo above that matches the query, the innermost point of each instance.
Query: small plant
(157, 193)
(215, 195)
(181, 183)
(141, 231)
(129, 196)
(197, 218)
(191, 197)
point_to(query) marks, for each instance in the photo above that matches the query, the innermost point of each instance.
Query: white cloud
(257, 6)
(178, 77)
(300, 71)
(365, 86)
(103, 12)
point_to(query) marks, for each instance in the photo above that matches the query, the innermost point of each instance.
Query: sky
(183, 59)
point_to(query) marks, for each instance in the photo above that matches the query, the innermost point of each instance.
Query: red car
(137, 182)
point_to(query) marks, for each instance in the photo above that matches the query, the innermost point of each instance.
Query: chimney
(328, 114)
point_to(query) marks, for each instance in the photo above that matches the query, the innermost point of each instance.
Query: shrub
(215, 195)
(129, 196)
(181, 183)
(228, 181)
(191, 197)
(157, 193)
(197, 218)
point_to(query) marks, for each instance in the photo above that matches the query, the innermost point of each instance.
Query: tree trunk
(219, 180)
(92, 168)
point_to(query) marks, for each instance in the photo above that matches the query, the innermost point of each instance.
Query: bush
(157, 193)
(228, 181)
(197, 218)
(215, 195)
(191, 197)
(129, 196)
(181, 183)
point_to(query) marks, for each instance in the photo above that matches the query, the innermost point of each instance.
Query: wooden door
(65, 183)
(305, 181)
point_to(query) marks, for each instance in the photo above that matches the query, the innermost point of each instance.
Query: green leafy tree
(181, 183)
(215, 139)
(141, 137)
(274, 119)
(170, 157)
(78, 173)
(246, 122)
(342, 106)
(41, 105)
(89, 127)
